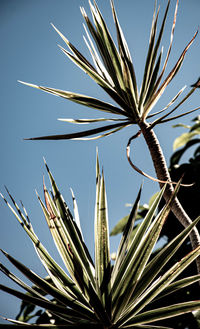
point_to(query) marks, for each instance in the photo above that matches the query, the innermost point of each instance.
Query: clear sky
(29, 52)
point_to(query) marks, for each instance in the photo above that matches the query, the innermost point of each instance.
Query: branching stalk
(162, 173)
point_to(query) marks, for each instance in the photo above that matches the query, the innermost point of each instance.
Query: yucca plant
(100, 293)
(112, 69)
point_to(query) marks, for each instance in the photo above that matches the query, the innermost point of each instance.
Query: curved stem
(162, 173)
(141, 171)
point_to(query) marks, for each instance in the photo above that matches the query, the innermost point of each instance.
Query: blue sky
(29, 52)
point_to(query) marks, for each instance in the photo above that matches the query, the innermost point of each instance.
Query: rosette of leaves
(113, 70)
(97, 292)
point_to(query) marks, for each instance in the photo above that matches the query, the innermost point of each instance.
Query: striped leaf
(125, 54)
(87, 121)
(130, 256)
(111, 54)
(149, 59)
(82, 134)
(164, 313)
(169, 78)
(80, 99)
(59, 277)
(102, 248)
(152, 269)
(140, 259)
(98, 294)
(60, 311)
(113, 70)
(160, 285)
(125, 240)
(61, 297)
(71, 231)
(179, 284)
(63, 246)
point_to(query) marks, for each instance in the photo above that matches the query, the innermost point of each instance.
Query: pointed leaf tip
(28, 84)
(4, 252)
(44, 161)
(36, 193)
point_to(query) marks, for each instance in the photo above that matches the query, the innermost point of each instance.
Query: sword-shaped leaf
(62, 244)
(74, 49)
(156, 85)
(96, 59)
(169, 48)
(129, 259)
(160, 284)
(160, 120)
(102, 135)
(22, 324)
(87, 121)
(58, 276)
(125, 240)
(81, 134)
(152, 79)
(20, 215)
(102, 247)
(152, 83)
(76, 213)
(99, 40)
(73, 238)
(140, 259)
(96, 221)
(100, 45)
(143, 326)
(153, 269)
(80, 99)
(126, 62)
(163, 313)
(173, 287)
(79, 249)
(180, 115)
(99, 80)
(111, 54)
(167, 106)
(169, 78)
(62, 297)
(149, 59)
(67, 218)
(18, 281)
(60, 311)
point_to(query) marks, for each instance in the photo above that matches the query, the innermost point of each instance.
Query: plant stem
(162, 173)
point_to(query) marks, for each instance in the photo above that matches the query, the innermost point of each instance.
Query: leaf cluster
(113, 70)
(87, 292)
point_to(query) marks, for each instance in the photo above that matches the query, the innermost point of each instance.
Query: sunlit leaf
(184, 139)
(164, 313)
(176, 156)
